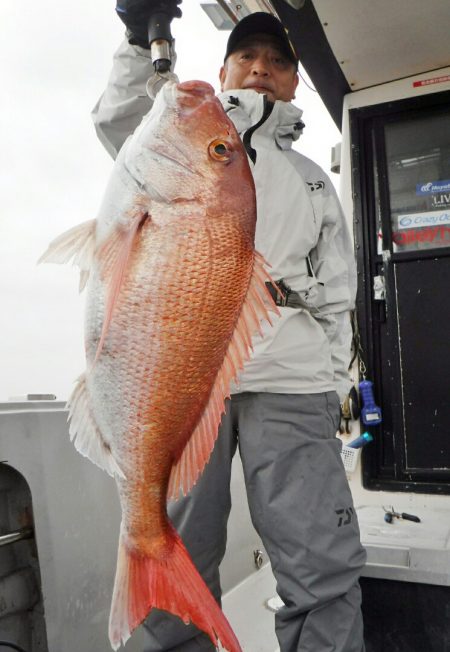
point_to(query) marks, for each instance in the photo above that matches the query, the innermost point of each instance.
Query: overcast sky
(55, 58)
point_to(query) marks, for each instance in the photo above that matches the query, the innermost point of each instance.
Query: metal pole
(12, 537)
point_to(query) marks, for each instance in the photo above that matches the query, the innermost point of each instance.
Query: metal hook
(157, 81)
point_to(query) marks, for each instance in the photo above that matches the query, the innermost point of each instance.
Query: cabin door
(402, 174)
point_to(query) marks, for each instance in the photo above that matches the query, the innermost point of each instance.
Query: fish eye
(220, 150)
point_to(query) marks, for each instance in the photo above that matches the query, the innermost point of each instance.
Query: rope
(357, 347)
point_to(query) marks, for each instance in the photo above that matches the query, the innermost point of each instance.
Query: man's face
(259, 63)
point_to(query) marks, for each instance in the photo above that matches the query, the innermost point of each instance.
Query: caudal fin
(172, 584)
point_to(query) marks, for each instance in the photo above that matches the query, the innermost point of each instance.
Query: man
(285, 411)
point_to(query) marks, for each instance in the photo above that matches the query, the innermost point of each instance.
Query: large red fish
(176, 290)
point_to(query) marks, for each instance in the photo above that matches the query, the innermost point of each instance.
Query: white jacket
(300, 230)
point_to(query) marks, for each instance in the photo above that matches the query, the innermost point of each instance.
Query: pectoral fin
(113, 257)
(76, 244)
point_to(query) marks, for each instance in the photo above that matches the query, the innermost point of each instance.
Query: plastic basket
(350, 458)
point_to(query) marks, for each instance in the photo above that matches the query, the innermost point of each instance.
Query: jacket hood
(245, 107)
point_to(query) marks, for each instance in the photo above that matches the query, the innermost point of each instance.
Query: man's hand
(136, 16)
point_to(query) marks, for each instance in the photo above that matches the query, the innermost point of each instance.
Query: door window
(418, 167)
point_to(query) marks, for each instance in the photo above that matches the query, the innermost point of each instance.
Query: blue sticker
(432, 186)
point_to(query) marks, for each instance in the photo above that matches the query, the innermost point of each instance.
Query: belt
(284, 296)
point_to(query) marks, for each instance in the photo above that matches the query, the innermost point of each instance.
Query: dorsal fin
(257, 305)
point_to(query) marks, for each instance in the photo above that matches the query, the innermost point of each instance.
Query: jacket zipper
(246, 139)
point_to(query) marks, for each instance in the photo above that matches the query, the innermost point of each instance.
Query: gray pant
(302, 509)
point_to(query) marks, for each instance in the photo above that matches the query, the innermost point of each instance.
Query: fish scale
(175, 294)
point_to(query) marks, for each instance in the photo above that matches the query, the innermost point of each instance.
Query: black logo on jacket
(316, 185)
(345, 516)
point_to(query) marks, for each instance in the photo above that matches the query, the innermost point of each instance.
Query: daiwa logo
(418, 220)
(345, 516)
(432, 186)
(318, 185)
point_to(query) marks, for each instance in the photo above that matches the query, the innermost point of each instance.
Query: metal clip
(283, 294)
(258, 558)
(157, 81)
(390, 514)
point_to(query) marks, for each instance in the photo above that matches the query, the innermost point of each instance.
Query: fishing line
(311, 88)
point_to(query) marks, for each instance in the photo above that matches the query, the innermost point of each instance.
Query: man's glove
(136, 15)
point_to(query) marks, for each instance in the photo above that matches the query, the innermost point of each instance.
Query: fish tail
(171, 583)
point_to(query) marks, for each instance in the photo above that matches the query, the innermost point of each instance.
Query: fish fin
(114, 255)
(171, 583)
(78, 244)
(257, 305)
(86, 435)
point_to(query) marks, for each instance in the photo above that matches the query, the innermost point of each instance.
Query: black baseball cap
(261, 23)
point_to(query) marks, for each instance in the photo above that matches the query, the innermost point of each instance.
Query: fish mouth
(196, 88)
(188, 95)
(193, 94)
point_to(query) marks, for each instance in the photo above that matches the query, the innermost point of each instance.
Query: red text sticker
(432, 80)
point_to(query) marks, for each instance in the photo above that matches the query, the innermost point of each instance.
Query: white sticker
(418, 220)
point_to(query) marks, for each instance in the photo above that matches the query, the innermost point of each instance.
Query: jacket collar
(245, 108)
